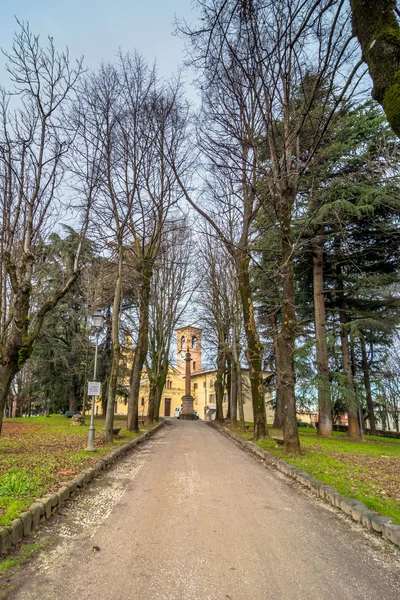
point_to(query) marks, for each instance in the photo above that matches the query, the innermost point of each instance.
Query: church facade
(202, 383)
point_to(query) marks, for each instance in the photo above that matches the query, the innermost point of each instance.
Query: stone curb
(353, 508)
(44, 508)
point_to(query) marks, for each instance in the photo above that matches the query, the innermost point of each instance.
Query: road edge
(355, 509)
(44, 508)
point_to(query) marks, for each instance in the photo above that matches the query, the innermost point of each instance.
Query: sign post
(94, 389)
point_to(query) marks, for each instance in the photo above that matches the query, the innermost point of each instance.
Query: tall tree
(35, 142)
(171, 290)
(161, 114)
(216, 298)
(63, 353)
(352, 232)
(268, 46)
(100, 114)
(229, 126)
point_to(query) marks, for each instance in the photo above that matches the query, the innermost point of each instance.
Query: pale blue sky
(97, 28)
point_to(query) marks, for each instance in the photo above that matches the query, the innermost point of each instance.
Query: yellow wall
(203, 391)
(202, 383)
(174, 390)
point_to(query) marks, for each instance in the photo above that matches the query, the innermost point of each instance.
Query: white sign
(93, 388)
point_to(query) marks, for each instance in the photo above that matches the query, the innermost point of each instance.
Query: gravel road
(190, 516)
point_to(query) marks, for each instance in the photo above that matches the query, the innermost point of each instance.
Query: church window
(182, 342)
(195, 386)
(194, 366)
(142, 402)
(194, 341)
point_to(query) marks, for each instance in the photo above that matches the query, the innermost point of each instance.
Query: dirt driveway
(190, 516)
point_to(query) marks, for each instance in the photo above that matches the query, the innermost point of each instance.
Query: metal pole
(91, 431)
(95, 357)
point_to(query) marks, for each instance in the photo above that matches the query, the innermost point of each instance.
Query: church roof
(188, 327)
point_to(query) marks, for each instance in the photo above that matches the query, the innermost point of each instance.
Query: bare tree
(161, 115)
(221, 314)
(228, 125)
(102, 142)
(288, 55)
(214, 299)
(34, 148)
(171, 290)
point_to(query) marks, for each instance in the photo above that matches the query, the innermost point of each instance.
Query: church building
(202, 383)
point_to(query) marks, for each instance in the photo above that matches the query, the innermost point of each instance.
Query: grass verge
(25, 552)
(38, 453)
(368, 471)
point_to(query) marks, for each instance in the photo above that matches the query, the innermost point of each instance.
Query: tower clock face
(182, 355)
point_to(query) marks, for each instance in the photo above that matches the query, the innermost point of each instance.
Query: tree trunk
(324, 400)
(106, 361)
(354, 427)
(278, 418)
(219, 386)
(115, 356)
(17, 349)
(376, 26)
(254, 350)
(159, 392)
(356, 388)
(238, 377)
(152, 401)
(240, 395)
(287, 337)
(367, 385)
(234, 394)
(160, 385)
(7, 374)
(74, 394)
(73, 402)
(140, 351)
(228, 371)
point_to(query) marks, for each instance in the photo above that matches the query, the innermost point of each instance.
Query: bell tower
(188, 338)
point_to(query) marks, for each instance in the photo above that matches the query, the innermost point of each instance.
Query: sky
(97, 28)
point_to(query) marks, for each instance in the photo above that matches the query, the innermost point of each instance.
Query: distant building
(202, 382)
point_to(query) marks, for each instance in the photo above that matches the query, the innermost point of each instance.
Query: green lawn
(368, 471)
(33, 452)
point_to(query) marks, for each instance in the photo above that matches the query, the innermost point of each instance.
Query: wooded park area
(270, 212)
